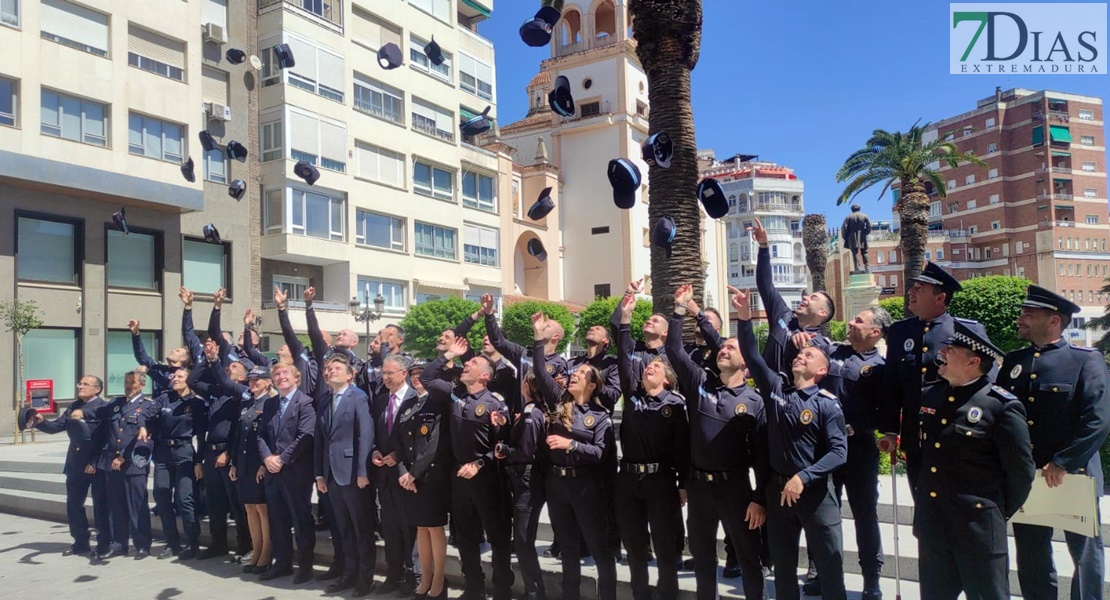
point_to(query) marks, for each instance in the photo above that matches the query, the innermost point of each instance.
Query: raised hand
(759, 234)
(634, 287)
(628, 304)
(186, 297)
(488, 304)
(740, 304)
(280, 297)
(218, 298)
(133, 325)
(248, 318)
(309, 295)
(539, 324)
(683, 294)
(458, 348)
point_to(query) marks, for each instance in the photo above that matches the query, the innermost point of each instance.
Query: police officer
(476, 486)
(579, 433)
(293, 351)
(229, 352)
(247, 470)
(912, 348)
(728, 439)
(79, 420)
(389, 342)
(172, 424)
(654, 332)
(655, 450)
(976, 471)
(161, 374)
(518, 355)
(856, 377)
(122, 421)
(1064, 391)
(598, 357)
(806, 437)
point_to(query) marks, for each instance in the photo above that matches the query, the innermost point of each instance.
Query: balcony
(330, 11)
(295, 248)
(1058, 116)
(1055, 196)
(332, 316)
(778, 206)
(1053, 169)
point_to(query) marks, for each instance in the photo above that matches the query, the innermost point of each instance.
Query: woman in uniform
(579, 430)
(247, 470)
(424, 452)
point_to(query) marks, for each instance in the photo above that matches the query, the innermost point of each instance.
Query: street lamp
(366, 315)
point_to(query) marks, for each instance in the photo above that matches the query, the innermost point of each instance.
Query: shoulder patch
(1002, 393)
(827, 394)
(479, 410)
(589, 421)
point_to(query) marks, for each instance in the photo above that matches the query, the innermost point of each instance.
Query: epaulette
(499, 397)
(965, 321)
(1083, 348)
(827, 394)
(1002, 393)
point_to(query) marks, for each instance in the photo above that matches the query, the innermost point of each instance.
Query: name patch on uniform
(806, 417)
(908, 345)
(974, 415)
(740, 409)
(589, 422)
(423, 430)
(865, 371)
(479, 410)
(1014, 372)
(666, 412)
(925, 410)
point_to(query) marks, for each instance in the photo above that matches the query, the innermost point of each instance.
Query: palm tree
(905, 159)
(668, 38)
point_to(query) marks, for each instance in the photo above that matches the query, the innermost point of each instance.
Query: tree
(598, 313)
(668, 42)
(1102, 323)
(895, 306)
(425, 322)
(19, 317)
(993, 301)
(815, 237)
(905, 159)
(838, 330)
(516, 321)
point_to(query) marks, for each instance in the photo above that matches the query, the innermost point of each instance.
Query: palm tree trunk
(815, 238)
(913, 212)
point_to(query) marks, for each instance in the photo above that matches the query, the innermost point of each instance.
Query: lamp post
(366, 315)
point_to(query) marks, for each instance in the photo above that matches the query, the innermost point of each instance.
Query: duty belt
(570, 472)
(220, 447)
(178, 443)
(639, 468)
(710, 476)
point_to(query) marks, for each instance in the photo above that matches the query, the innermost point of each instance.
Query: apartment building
(100, 103)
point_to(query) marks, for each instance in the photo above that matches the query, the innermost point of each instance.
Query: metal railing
(328, 10)
(316, 305)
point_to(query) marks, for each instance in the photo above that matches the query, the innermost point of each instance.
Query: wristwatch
(481, 462)
(572, 446)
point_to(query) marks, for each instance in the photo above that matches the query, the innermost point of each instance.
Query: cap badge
(865, 371)
(666, 412)
(479, 410)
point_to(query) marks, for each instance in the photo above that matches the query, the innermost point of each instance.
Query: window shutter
(392, 168)
(472, 236)
(331, 70)
(373, 32)
(75, 23)
(419, 108)
(154, 46)
(333, 141)
(304, 134)
(305, 55)
(444, 121)
(214, 88)
(468, 65)
(214, 11)
(367, 161)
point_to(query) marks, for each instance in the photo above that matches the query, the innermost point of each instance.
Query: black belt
(178, 443)
(571, 472)
(216, 447)
(640, 468)
(711, 476)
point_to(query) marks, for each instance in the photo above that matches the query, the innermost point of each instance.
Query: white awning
(439, 285)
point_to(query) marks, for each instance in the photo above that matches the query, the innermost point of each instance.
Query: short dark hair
(400, 330)
(832, 306)
(340, 358)
(714, 311)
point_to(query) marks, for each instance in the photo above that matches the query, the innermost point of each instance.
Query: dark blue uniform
(476, 503)
(976, 471)
(857, 381)
(129, 505)
(705, 355)
(912, 346)
(422, 438)
(1064, 391)
(655, 450)
(780, 351)
(304, 360)
(728, 438)
(520, 357)
(243, 448)
(806, 437)
(172, 425)
(85, 443)
(524, 455)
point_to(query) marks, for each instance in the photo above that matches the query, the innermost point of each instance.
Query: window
(419, 61)
(948, 137)
(990, 123)
(987, 252)
(1092, 219)
(480, 245)
(971, 204)
(9, 101)
(590, 109)
(994, 199)
(992, 148)
(1018, 247)
(205, 266)
(953, 207)
(47, 250)
(121, 359)
(970, 179)
(928, 254)
(9, 12)
(330, 10)
(380, 165)
(154, 138)
(294, 286)
(372, 32)
(432, 240)
(273, 207)
(433, 120)
(602, 290)
(272, 141)
(1087, 140)
(893, 256)
(439, 9)
(479, 191)
(133, 260)
(1090, 193)
(74, 26)
(882, 280)
(951, 184)
(72, 118)
(319, 70)
(992, 174)
(973, 229)
(1086, 114)
(317, 215)
(318, 140)
(52, 354)
(996, 225)
(475, 77)
(151, 52)
(271, 73)
(1089, 167)
(880, 257)
(940, 254)
(379, 100)
(215, 166)
(733, 253)
(392, 291)
(379, 231)
(214, 11)
(433, 181)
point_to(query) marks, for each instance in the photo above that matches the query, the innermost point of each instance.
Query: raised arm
(628, 383)
(315, 334)
(188, 333)
(252, 351)
(690, 376)
(137, 346)
(766, 379)
(778, 312)
(511, 350)
(214, 330)
(551, 392)
(709, 333)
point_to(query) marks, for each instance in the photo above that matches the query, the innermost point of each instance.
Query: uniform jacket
(780, 351)
(344, 436)
(243, 445)
(591, 428)
(120, 421)
(473, 434)
(857, 380)
(423, 439)
(173, 423)
(86, 440)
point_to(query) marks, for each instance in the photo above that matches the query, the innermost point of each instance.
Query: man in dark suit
(344, 437)
(399, 536)
(80, 467)
(285, 442)
(120, 423)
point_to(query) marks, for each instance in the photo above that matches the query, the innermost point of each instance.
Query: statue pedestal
(860, 293)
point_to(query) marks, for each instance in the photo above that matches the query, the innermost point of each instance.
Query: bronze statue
(854, 232)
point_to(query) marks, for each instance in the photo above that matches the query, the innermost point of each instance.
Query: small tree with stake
(19, 317)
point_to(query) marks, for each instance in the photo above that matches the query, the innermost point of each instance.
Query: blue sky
(803, 83)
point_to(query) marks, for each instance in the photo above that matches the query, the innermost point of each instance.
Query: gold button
(1033, 376)
(951, 398)
(969, 434)
(1030, 421)
(926, 330)
(936, 445)
(978, 505)
(924, 369)
(932, 494)
(944, 421)
(1032, 399)
(1036, 355)
(924, 348)
(119, 441)
(924, 435)
(77, 448)
(932, 469)
(1056, 389)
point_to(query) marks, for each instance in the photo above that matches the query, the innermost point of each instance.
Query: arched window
(571, 28)
(605, 19)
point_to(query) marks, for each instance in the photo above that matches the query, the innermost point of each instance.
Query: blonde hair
(564, 412)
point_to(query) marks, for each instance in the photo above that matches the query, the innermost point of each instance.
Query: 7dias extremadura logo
(1062, 39)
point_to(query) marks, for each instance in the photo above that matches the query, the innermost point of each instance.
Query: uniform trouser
(476, 504)
(951, 571)
(1037, 572)
(608, 482)
(573, 504)
(726, 502)
(817, 513)
(289, 500)
(222, 498)
(173, 493)
(77, 491)
(913, 467)
(396, 532)
(527, 484)
(650, 500)
(325, 506)
(130, 510)
(860, 477)
(353, 508)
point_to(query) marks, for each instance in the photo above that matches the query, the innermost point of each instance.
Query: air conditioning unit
(217, 112)
(214, 33)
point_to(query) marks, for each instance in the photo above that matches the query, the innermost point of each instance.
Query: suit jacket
(384, 442)
(289, 437)
(344, 436)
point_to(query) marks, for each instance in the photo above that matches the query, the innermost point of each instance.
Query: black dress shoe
(110, 554)
(389, 586)
(687, 565)
(212, 552)
(169, 552)
(189, 553)
(332, 573)
(141, 554)
(812, 587)
(339, 586)
(75, 551)
(362, 589)
(303, 576)
(272, 573)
